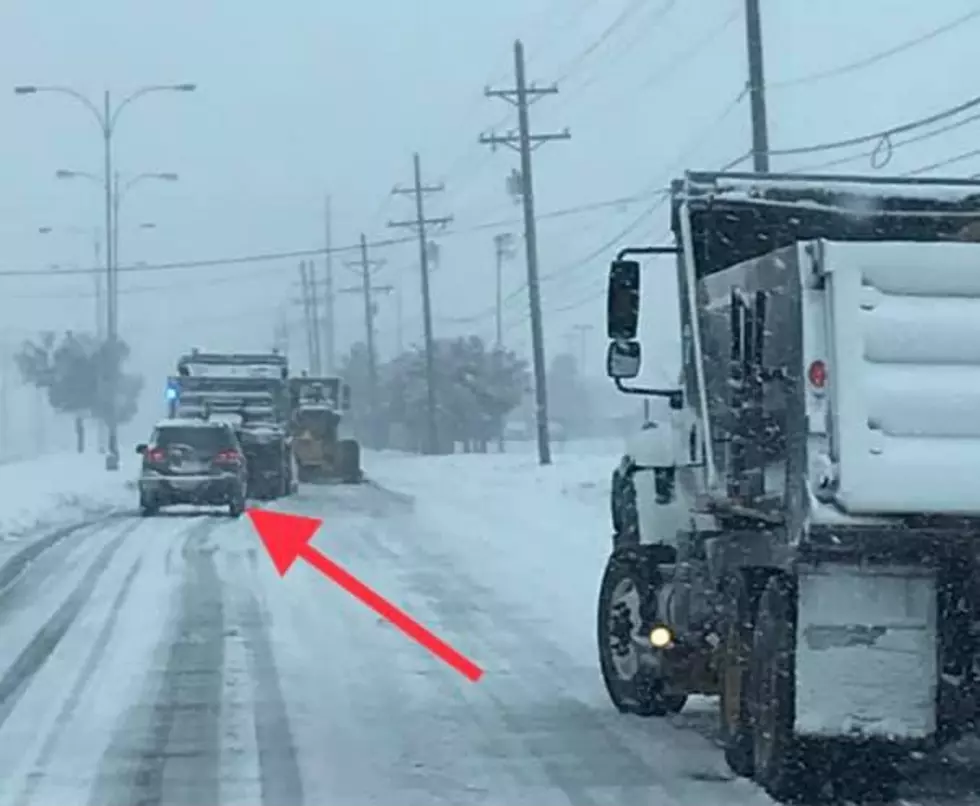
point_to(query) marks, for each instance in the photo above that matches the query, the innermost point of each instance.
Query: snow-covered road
(163, 661)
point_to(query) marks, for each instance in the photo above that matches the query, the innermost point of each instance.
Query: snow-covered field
(164, 661)
(58, 490)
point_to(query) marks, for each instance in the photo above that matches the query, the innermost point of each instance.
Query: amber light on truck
(661, 637)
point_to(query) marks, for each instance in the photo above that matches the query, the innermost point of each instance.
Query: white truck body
(902, 330)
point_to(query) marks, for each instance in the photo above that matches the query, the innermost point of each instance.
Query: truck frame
(800, 533)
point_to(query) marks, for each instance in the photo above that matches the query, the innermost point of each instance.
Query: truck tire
(740, 600)
(626, 523)
(626, 604)
(349, 461)
(237, 505)
(148, 507)
(285, 480)
(783, 766)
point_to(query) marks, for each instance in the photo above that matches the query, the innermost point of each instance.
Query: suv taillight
(155, 455)
(230, 457)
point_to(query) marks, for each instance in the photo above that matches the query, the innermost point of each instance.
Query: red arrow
(287, 537)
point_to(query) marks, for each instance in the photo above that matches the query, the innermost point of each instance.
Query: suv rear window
(205, 440)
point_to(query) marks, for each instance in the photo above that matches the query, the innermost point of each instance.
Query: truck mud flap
(866, 660)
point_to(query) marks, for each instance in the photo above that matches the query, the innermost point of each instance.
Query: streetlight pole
(107, 119)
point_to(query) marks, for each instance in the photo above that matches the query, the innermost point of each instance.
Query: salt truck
(799, 533)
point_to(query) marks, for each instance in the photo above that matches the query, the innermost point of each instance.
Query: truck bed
(903, 325)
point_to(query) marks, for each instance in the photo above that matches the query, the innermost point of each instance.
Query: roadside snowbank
(58, 490)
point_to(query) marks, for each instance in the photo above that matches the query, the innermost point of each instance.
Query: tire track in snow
(16, 679)
(92, 662)
(280, 779)
(553, 724)
(44, 559)
(168, 751)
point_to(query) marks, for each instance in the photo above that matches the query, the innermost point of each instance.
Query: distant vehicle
(253, 385)
(197, 462)
(318, 406)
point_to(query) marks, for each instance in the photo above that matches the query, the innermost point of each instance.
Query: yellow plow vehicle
(320, 453)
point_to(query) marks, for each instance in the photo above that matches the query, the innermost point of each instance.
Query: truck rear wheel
(782, 765)
(627, 601)
(741, 599)
(349, 461)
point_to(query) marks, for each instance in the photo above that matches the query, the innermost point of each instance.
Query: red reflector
(817, 374)
(228, 457)
(156, 455)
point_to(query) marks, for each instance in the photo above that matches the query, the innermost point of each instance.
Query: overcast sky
(297, 100)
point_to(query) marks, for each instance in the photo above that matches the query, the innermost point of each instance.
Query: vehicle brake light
(230, 457)
(156, 455)
(817, 374)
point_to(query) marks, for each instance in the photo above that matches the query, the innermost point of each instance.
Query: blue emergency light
(172, 392)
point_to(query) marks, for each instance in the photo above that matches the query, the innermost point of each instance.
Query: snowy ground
(163, 661)
(43, 497)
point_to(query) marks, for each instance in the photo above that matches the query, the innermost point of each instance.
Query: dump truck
(253, 390)
(322, 453)
(799, 533)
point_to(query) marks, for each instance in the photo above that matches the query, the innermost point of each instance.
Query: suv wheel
(237, 505)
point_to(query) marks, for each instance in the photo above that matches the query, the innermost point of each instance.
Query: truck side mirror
(623, 300)
(345, 398)
(623, 360)
(141, 448)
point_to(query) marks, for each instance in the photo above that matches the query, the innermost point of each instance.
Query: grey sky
(299, 99)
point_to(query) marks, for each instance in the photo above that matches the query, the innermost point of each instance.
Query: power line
(641, 35)
(875, 58)
(943, 163)
(881, 137)
(675, 63)
(585, 207)
(874, 154)
(621, 19)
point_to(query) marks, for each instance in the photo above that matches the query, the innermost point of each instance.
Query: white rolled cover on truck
(904, 375)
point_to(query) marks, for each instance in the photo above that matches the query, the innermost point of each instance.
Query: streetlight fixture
(120, 190)
(108, 117)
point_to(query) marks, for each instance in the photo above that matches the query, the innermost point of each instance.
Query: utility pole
(317, 363)
(102, 431)
(503, 245)
(420, 224)
(329, 326)
(757, 88)
(365, 290)
(307, 313)
(399, 330)
(583, 345)
(523, 141)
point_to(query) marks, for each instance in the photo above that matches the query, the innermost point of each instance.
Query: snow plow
(322, 454)
(252, 391)
(800, 533)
